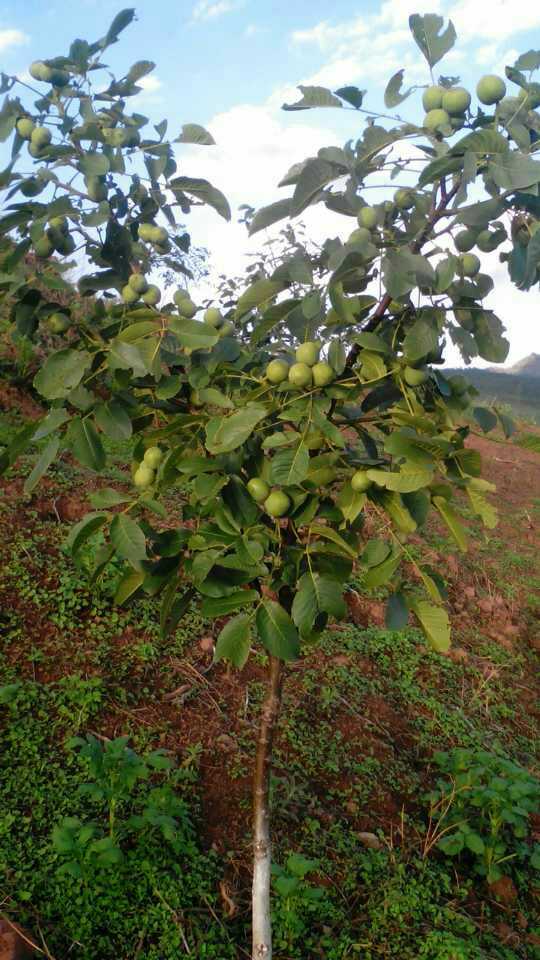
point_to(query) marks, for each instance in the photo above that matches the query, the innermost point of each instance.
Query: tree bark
(262, 858)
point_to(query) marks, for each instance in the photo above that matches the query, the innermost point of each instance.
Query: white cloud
(12, 38)
(150, 83)
(210, 9)
(257, 144)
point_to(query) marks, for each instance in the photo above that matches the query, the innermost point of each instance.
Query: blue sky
(230, 64)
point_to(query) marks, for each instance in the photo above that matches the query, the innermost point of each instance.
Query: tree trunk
(262, 859)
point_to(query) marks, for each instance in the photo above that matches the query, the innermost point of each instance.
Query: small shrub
(482, 806)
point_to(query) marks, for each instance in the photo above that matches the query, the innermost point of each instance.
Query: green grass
(354, 750)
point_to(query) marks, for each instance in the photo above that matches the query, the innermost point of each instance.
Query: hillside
(517, 387)
(526, 367)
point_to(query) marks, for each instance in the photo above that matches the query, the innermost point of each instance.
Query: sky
(230, 65)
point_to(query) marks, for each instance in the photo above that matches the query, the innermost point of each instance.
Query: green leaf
(393, 94)
(316, 594)
(426, 31)
(450, 518)
(290, 467)
(194, 133)
(482, 507)
(43, 463)
(61, 372)
(54, 419)
(140, 69)
(352, 95)
(313, 97)
(112, 418)
(258, 293)
(481, 143)
(528, 61)
(86, 444)
(193, 333)
(120, 22)
(327, 533)
(107, 497)
(402, 482)
(269, 215)
(129, 584)
(394, 506)
(203, 190)
(420, 340)
(227, 433)
(434, 623)
(486, 419)
(315, 175)
(379, 575)
(83, 530)
(220, 606)
(350, 502)
(397, 612)
(234, 641)
(277, 632)
(128, 539)
(215, 398)
(514, 171)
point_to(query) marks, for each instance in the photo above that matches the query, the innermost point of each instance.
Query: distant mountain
(528, 367)
(516, 387)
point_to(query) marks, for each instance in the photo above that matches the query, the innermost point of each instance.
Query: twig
(26, 939)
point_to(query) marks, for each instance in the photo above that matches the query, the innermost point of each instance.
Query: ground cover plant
(289, 449)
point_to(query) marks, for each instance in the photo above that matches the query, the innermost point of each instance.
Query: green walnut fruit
(277, 504)
(153, 457)
(258, 488)
(226, 329)
(65, 246)
(484, 241)
(35, 152)
(146, 232)
(41, 137)
(436, 121)
(277, 371)
(360, 481)
(143, 477)
(41, 71)
(432, 98)
(308, 353)
(25, 127)
(59, 223)
(31, 187)
(404, 199)
(152, 296)
(58, 322)
(490, 89)
(96, 189)
(59, 78)
(456, 100)
(322, 374)
(414, 376)
(129, 295)
(160, 235)
(314, 439)
(368, 218)
(465, 240)
(43, 247)
(360, 235)
(213, 317)
(186, 307)
(138, 283)
(530, 99)
(300, 375)
(469, 264)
